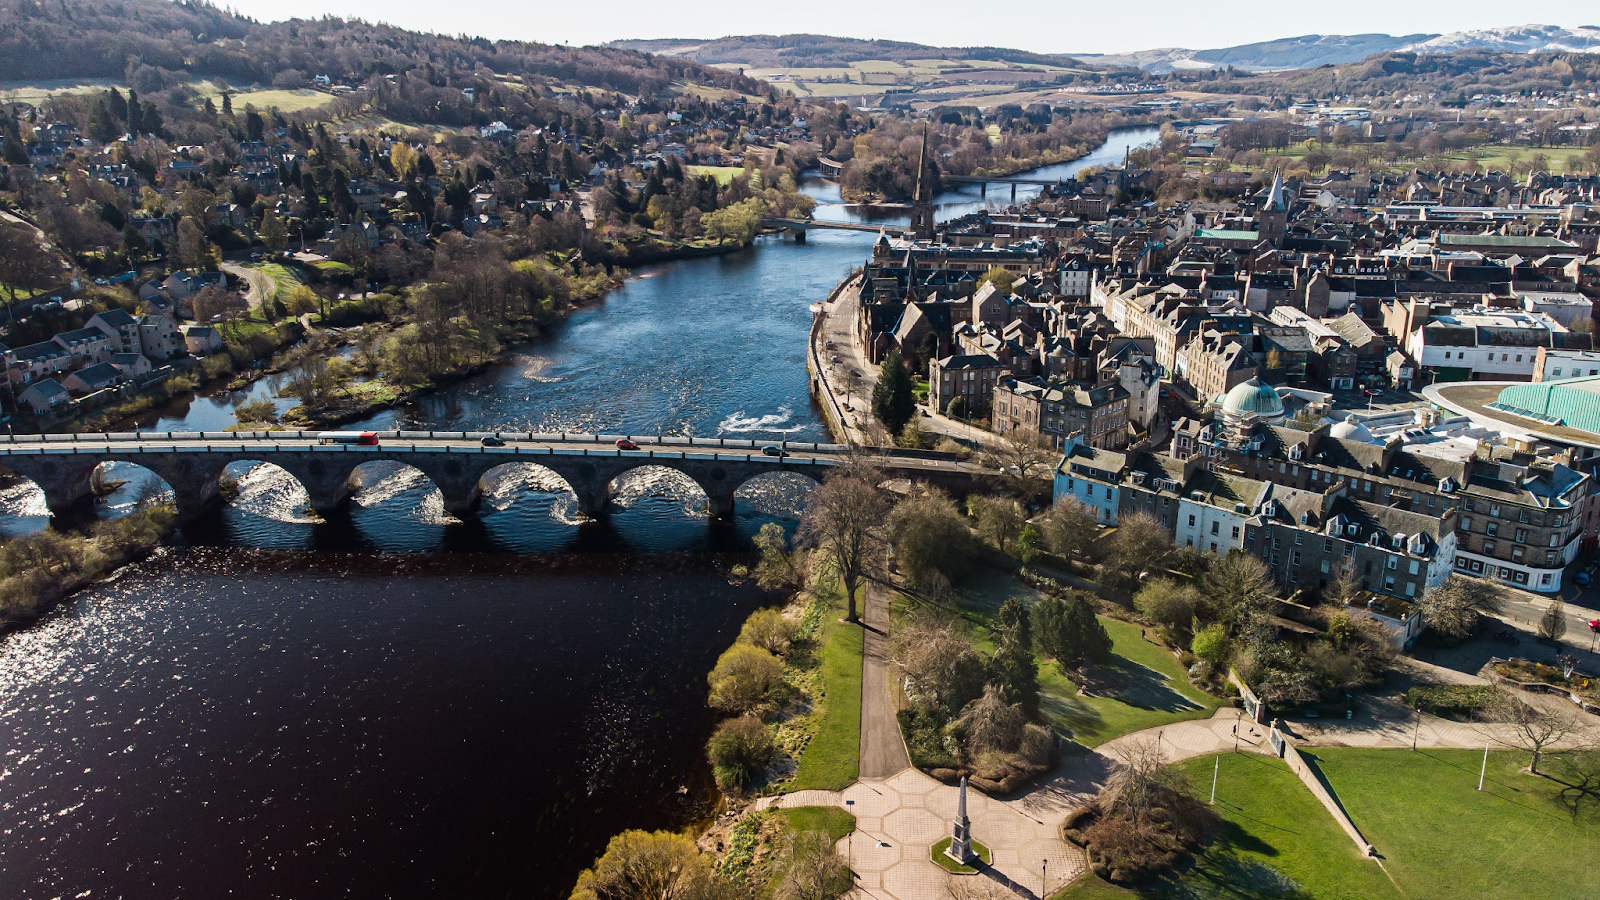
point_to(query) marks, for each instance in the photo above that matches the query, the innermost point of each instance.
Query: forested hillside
(158, 39)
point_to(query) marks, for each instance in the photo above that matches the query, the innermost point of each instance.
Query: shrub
(744, 678)
(1450, 699)
(1211, 645)
(1169, 603)
(738, 749)
(769, 630)
(1067, 631)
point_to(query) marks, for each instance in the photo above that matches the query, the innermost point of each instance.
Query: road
(260, 285)
(842, 357)
(520, 443)
(883, 753)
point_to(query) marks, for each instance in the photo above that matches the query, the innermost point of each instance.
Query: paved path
(883, 752)
(260, 285)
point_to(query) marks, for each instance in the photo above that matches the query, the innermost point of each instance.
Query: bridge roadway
(801, 226)
(193, 463)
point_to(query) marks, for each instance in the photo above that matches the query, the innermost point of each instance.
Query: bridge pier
(1013, 192)
(799, 235)
(983, 189)
(593, 501)
(720, 505)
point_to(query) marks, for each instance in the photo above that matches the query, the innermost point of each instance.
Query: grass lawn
(723, 174)
(1151, 687)
(1516, 839)
(832, 820)
(829, 761)
(283, 278)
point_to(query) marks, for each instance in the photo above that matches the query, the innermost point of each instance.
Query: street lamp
(1044, 878)
(850, 841)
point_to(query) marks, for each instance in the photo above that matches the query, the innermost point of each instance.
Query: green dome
(1252, 398)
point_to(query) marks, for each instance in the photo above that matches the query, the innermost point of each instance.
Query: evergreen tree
(1068, 631)
(118, 104)
(274, 233)
(15, 154)
(892, 402)
(1013, 666)
(227, 105)
(102, 127)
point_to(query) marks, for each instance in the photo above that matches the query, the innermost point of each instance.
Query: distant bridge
(799, 227)
(192, 463)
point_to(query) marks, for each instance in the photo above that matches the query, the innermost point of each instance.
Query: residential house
(44, 396)
(159, 337)
(120, 328)
(200, 340)
(37, 361)
(97, 377)
(87, 346)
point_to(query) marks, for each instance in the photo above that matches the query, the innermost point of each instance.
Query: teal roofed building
(1574, 403)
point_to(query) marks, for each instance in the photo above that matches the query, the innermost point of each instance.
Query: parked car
(491, 441)
(625, 444)
(1583, 578)
(774, 450)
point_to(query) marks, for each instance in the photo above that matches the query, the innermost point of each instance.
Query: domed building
(1250, 402)
(1351, 429)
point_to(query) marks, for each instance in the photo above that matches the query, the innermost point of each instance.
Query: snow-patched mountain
(1311, 50)
(1515, 39)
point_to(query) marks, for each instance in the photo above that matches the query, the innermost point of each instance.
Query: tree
(640, 865)
(13, 152)
(1138, 546)
(1211, 644)
(1068, 631)
(1452, 608)
(1013, 667)
(1072, 529)
(1553, 624)
(892, 402)
(999, 520)
(743, 678)
(738, 749)
(1528, 728)
(1002, 280)
(1239, 593)
(1024, 462)
(941, 668)
(844, 519)
(273, 231)
(992, 723)
(812, 869)
(779, 568)
(215, 304)
(24, 262)
(769, 629)
(929, 536)
(1168, 602)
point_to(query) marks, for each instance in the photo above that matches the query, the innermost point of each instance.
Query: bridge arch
(23, 509)
(122, 487)
(500, 485)
(266, 488)
(386, 480)
(779, 492)
(661, 478)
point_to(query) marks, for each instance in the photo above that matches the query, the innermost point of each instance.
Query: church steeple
(922, 200)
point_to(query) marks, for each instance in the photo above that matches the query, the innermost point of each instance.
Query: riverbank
(40, 570)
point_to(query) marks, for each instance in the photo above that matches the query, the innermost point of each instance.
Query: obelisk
(961, 831)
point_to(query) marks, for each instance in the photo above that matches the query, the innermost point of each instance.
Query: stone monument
(960, 848)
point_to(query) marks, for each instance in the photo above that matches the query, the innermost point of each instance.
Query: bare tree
(1553, 624)
(1024, 461)
(1452, 608)
(813, 869)
(1139, 545)
(1141, 779)
(24, 262)
(1528, 728)
(1072, 529)
(844, 520)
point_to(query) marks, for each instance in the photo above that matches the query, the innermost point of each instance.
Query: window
(1492, 529)
(1522, 578)
(1299, 538)
(1494, 510)
(1522, 515)
(1294, 558)
(1505, 572)
(1388, 583)
(1549, 559)
(1516, 554)
(1411, 589)
(1213, 546)
(1191, 521)
(1522, 535)
(1327, 545)
(1555, 540)
(1250, 532)
(1236, 532)
(1466, 522)
(1556, 372)
(1488, 546)
(1108, 492)
(1545, 578)
(1324, 567)
(1215, 526)
(1394, 562)
(1188, 542)
(1069, 484)
(1414, 567)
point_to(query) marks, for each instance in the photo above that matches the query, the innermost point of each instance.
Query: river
(424, 705)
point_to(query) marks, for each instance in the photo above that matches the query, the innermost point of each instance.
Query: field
(35, 91)
(723, 174)
(1144, 687)
(1437, 836)
(266, 98)
(829, 761)
(1521, 838)
(929, 79)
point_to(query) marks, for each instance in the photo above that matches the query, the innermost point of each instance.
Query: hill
(817, 51)
(159, 43)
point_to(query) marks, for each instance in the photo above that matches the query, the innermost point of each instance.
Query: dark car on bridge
(774, 450)
(491, 441)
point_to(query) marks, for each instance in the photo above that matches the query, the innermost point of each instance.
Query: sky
(1044, 26)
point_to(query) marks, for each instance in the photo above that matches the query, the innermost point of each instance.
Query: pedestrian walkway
(883, 751)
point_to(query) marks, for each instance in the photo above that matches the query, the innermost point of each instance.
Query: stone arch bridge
(193, 463)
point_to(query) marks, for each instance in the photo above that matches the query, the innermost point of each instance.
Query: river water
(425, 705)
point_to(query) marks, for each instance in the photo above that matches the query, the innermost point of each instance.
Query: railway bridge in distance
(193, 463)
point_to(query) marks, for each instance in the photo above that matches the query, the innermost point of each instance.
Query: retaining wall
(1324, 795)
